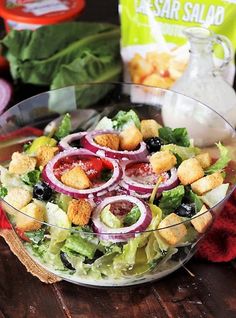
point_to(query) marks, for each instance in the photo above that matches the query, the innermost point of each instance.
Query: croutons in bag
(153, 47)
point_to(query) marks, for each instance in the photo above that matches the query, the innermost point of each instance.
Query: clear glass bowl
(144, 257)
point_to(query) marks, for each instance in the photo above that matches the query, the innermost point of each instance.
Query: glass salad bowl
(101, 192)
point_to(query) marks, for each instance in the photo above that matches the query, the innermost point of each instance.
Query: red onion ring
(88, 143)
(64, 144)
(138, 188)
(58, 186)
(124, 233)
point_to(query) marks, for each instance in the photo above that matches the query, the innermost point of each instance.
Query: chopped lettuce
(183, 152)
(124, 119)
(80, 245)
(57, 217)
(216, 195)
(36, 237)
(222, 162)
(132, 217)
(104, 123)
(109, 219)
(31, 178)
(3, 192)
(171, 199)
(178, 136)
(64, 128)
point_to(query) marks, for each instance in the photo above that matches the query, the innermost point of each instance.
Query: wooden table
(210, 293)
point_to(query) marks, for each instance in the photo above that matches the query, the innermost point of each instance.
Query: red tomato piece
(107, 164)
(22, 235)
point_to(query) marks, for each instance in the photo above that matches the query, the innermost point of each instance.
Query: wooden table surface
(211, 292)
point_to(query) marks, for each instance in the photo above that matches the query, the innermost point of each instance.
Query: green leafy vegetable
(26, 146)
(80, 245)
(222, 162)
(109, 218)
(194, 198)
(124, 119)
(106, 174)
(31, 178)
(36, 56)
(171, 199)
(211, 198)
(178, 136)
(3, 192)
(183, 152)
(36, 236)
(64, 128)
(132, 217)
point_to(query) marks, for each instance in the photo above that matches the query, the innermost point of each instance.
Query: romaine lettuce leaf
(184, 152)
(56, 216)
(132, 216)
(211, 198)
(124, 119)
(192, 197)
(171, 199)
(31, 178)
(64, 128)
(3, 192)
(178, 136)
(222, 162)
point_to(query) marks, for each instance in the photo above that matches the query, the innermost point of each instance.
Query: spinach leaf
(31, 178)
(177, 136)
(222, 162)
(64, 128)
(171, 199)
(3, 192)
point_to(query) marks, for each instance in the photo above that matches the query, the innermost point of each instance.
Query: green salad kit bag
(153, 47)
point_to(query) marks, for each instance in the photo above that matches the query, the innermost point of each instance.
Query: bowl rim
(73, 229)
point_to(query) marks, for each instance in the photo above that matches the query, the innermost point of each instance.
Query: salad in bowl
(123, 203)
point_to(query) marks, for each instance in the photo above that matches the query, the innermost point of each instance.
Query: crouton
(111, 141)
(156, 79)
(21, 163)
(18, 197)
(174, 234)
(207, 183)
(204, 159)
(189, 171)
(149, 128)
(44, 154)
(162, 161)
(76, 178)
(130, 138)
(202, 220)
(79, 211)
(29, 222)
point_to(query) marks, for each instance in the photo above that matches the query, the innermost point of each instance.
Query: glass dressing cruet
(203, 81)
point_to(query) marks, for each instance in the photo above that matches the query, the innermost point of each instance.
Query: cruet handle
(227, 48)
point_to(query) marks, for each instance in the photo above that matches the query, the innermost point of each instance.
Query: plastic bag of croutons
(153, 47)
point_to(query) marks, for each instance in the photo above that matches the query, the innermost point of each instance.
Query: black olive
(154, 144)
(96, 256)
(186, 210)
(75, 143)
(65, 261)
(42, 191)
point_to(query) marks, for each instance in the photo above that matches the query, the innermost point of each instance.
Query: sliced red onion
(124, 233)
(5, 94)
(57, 185)
(88, 143)
(137, 187)
(65, 142)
